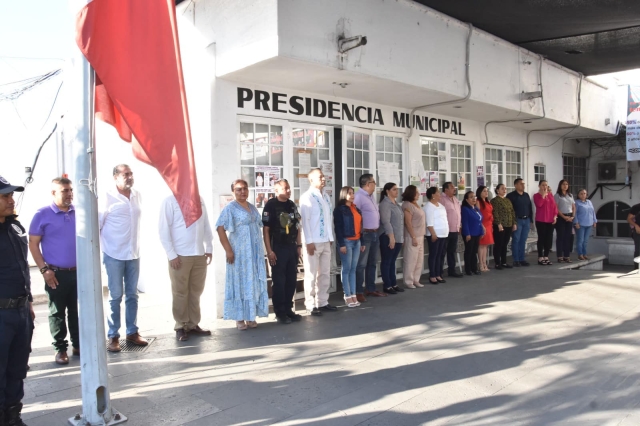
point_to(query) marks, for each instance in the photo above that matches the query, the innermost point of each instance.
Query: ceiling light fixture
(343, 85)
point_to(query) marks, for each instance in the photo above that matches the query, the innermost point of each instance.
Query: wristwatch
(44, 269)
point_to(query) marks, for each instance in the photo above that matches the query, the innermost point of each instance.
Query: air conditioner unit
(612, 171)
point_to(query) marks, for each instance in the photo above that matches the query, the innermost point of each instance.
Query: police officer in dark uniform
(16, 312)
(282, 240)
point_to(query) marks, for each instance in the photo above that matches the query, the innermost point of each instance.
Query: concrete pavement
(527, 346)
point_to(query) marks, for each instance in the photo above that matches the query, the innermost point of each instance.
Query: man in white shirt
(317, 229)
(189, 252)
(119, 221)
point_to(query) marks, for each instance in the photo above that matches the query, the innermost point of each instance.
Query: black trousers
(284, 275)
(500, 241)
(563, 237)
(64, 300)
(636, 248)
(471, 253)
(545, 238)
(14, 354)
(452, 246)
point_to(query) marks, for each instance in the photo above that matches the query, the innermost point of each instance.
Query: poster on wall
(633, 124)
(433, 179)
(304, 161)
(442, 161)
(480, 176)
(327, 170)
(383, 172)
(266, 176)
(225, 199)
(461, 183)
(262, 196)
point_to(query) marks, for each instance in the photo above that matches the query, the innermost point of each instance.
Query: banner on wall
(633, 124)
(480, 176)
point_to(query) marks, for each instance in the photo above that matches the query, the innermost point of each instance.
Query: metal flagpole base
(116, 419)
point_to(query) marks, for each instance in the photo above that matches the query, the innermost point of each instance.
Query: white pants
(316, 275)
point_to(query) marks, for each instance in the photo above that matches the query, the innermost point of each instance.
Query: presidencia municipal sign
(633, 124)
(301, 106)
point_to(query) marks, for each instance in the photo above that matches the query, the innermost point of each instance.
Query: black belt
(567, 214)
(13, 303)
(523, 217)
(57, 268)
(369, 230)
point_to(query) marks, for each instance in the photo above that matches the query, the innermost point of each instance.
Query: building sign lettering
(303, 106)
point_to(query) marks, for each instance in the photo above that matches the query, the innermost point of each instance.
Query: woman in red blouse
(482, 193)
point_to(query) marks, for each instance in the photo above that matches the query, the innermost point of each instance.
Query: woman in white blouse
(437, 233)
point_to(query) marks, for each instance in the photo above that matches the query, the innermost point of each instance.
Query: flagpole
(96, 400)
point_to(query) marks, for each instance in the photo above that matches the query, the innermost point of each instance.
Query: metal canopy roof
(588, 36)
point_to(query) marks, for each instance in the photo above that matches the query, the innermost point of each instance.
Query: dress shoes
(293, 316)
(469, 273)
(182, 335)
(114, 344)
(200, 331)
(524, 263)
(315, 312)
(477, 272)
(328, 308)
(137, 340)
(390, 290)
(506, 265)
(283, 319)
(456, 275)
(499, 267)
(375, 293)
(360, 298)
(75, 351)
(516, 264)
(62, 358)
(441, 281)
(398, 289)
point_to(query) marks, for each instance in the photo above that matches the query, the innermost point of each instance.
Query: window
(357, 157)
(612, 220)
(260, 145)
(513, 163)
(461, 168)
(575, 172)
(389, 149)
(430, 161)
(312, 142)
(493, 167)
(539, 172)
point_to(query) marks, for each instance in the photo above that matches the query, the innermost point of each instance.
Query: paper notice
(304, 159)
(394, 173)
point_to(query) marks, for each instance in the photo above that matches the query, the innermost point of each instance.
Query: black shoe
(468, 273)
(523, 263)
(441, 281)
(328, 308)
(456, 275)
(283, 319)
(293, 316)
(315, 312)
(498, 267)
(389, 290)
(12, 416)
(506, 265)
(477, 272)
(433, 282)
(516, 264)
(398, 289)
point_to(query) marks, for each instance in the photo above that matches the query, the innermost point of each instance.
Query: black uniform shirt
(271, 217)
(14, 270)
(521, 205)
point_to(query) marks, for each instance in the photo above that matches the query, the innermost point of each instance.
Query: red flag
(133, 48)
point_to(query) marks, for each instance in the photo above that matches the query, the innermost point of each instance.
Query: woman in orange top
(347, 219)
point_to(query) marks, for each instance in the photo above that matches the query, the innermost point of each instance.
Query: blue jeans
(122, 278)
(519, 239)
(388, 259)
(582, 239)
(366, 270)
(349, 265)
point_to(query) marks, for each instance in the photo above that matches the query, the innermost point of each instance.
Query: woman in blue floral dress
(245, 294)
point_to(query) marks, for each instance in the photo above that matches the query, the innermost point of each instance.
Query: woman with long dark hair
(414, 228)
(391, 234)
(472, 230)
(485, 207)
(546, 216)
(566, 212)
(437, 233)
(347, 219)
(504, 221)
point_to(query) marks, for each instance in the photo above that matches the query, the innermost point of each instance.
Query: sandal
(548, 262)
(241, 325)
(568, 260)
(252, 324)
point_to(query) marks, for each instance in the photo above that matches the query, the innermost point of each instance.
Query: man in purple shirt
(366, 269)
(52, 242)
(452, 205)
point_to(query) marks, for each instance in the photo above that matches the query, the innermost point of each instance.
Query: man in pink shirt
(452, 205)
